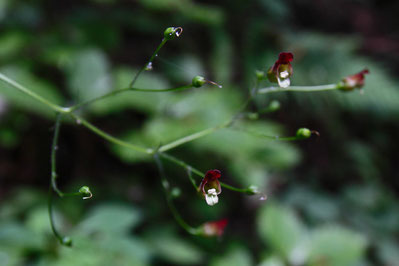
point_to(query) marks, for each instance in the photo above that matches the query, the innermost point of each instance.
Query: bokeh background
(332, 200)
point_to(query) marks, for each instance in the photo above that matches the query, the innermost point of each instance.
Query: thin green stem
(80, 105)
(261, 135)
(192, 137)
(299, 88)
(166, 188)
(50, 213)
(149, 63)
(54, 149)
(32, 94)
(201, 174)
(190, 176)
(110, 138)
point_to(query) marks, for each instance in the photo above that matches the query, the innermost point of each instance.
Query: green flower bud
(260, 75)
(85, 191)
(274, 106)
(171, 32)
(198, 81)
(303, 133)
(175, 192)
(66, 241)
(252, 190)
(253, 116)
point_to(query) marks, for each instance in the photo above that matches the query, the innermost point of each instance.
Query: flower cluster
(282, 70)
(210, 186)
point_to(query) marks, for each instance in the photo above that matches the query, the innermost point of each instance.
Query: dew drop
(148, 67)
(78, 121)
(263, 197)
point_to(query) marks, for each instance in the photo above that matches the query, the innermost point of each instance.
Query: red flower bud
(210, 186)
(215, 228)
(282, 70)
(354, 81)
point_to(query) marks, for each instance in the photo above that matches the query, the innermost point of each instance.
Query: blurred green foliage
(332, 200)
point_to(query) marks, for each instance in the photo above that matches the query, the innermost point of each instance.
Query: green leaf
(88, 74)
(110, 218)
(174, 249)
(281, 229)
(236, 255)
(336, 246)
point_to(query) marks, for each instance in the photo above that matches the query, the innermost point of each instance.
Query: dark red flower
(354, 81)
(282, 70)
(210, 186)
(215, 228)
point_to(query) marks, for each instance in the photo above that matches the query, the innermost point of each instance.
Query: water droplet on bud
(263, 197)
(148, 67)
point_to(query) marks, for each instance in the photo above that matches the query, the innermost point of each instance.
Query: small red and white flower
(282, 70)
(210, 187)
(352, 82)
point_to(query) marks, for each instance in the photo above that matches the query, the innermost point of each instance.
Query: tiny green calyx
(253, 190)
(66, 241)
(198, 81)
(85, 191)
(172, 32)
(303, 133)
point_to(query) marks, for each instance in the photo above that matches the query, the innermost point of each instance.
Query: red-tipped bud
(215, 228)
(354, 81)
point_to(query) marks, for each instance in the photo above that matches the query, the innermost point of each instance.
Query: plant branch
(54, 149)
(149, 63)
(80, 105)
(299, 88)
(37, 97)
(110, 138)
(166, 188)
(201, 174)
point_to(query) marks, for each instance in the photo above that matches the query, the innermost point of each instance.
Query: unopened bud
(274, 106)
(252, 190)
(303, 133)
(66, 241)
(85, 191)
(253, 116)
(172, 32)
(260, 75)
(198, 81)
(175, 192)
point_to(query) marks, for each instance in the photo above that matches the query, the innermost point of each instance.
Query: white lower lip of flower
(283, 83)
(284, 74)
(211, 197)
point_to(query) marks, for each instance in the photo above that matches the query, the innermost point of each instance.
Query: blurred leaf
(11, 43)
(173, 249)
(281, 229)
(110, 218)
(387, 251)
(236, 255)
(336, 246)
(272, 261)
(88, 75)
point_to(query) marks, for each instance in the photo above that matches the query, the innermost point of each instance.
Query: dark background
(332, 200)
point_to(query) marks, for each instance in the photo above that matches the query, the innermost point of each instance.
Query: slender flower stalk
(168, 195)
(299, 88)
(115, 92)
(169, 34)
